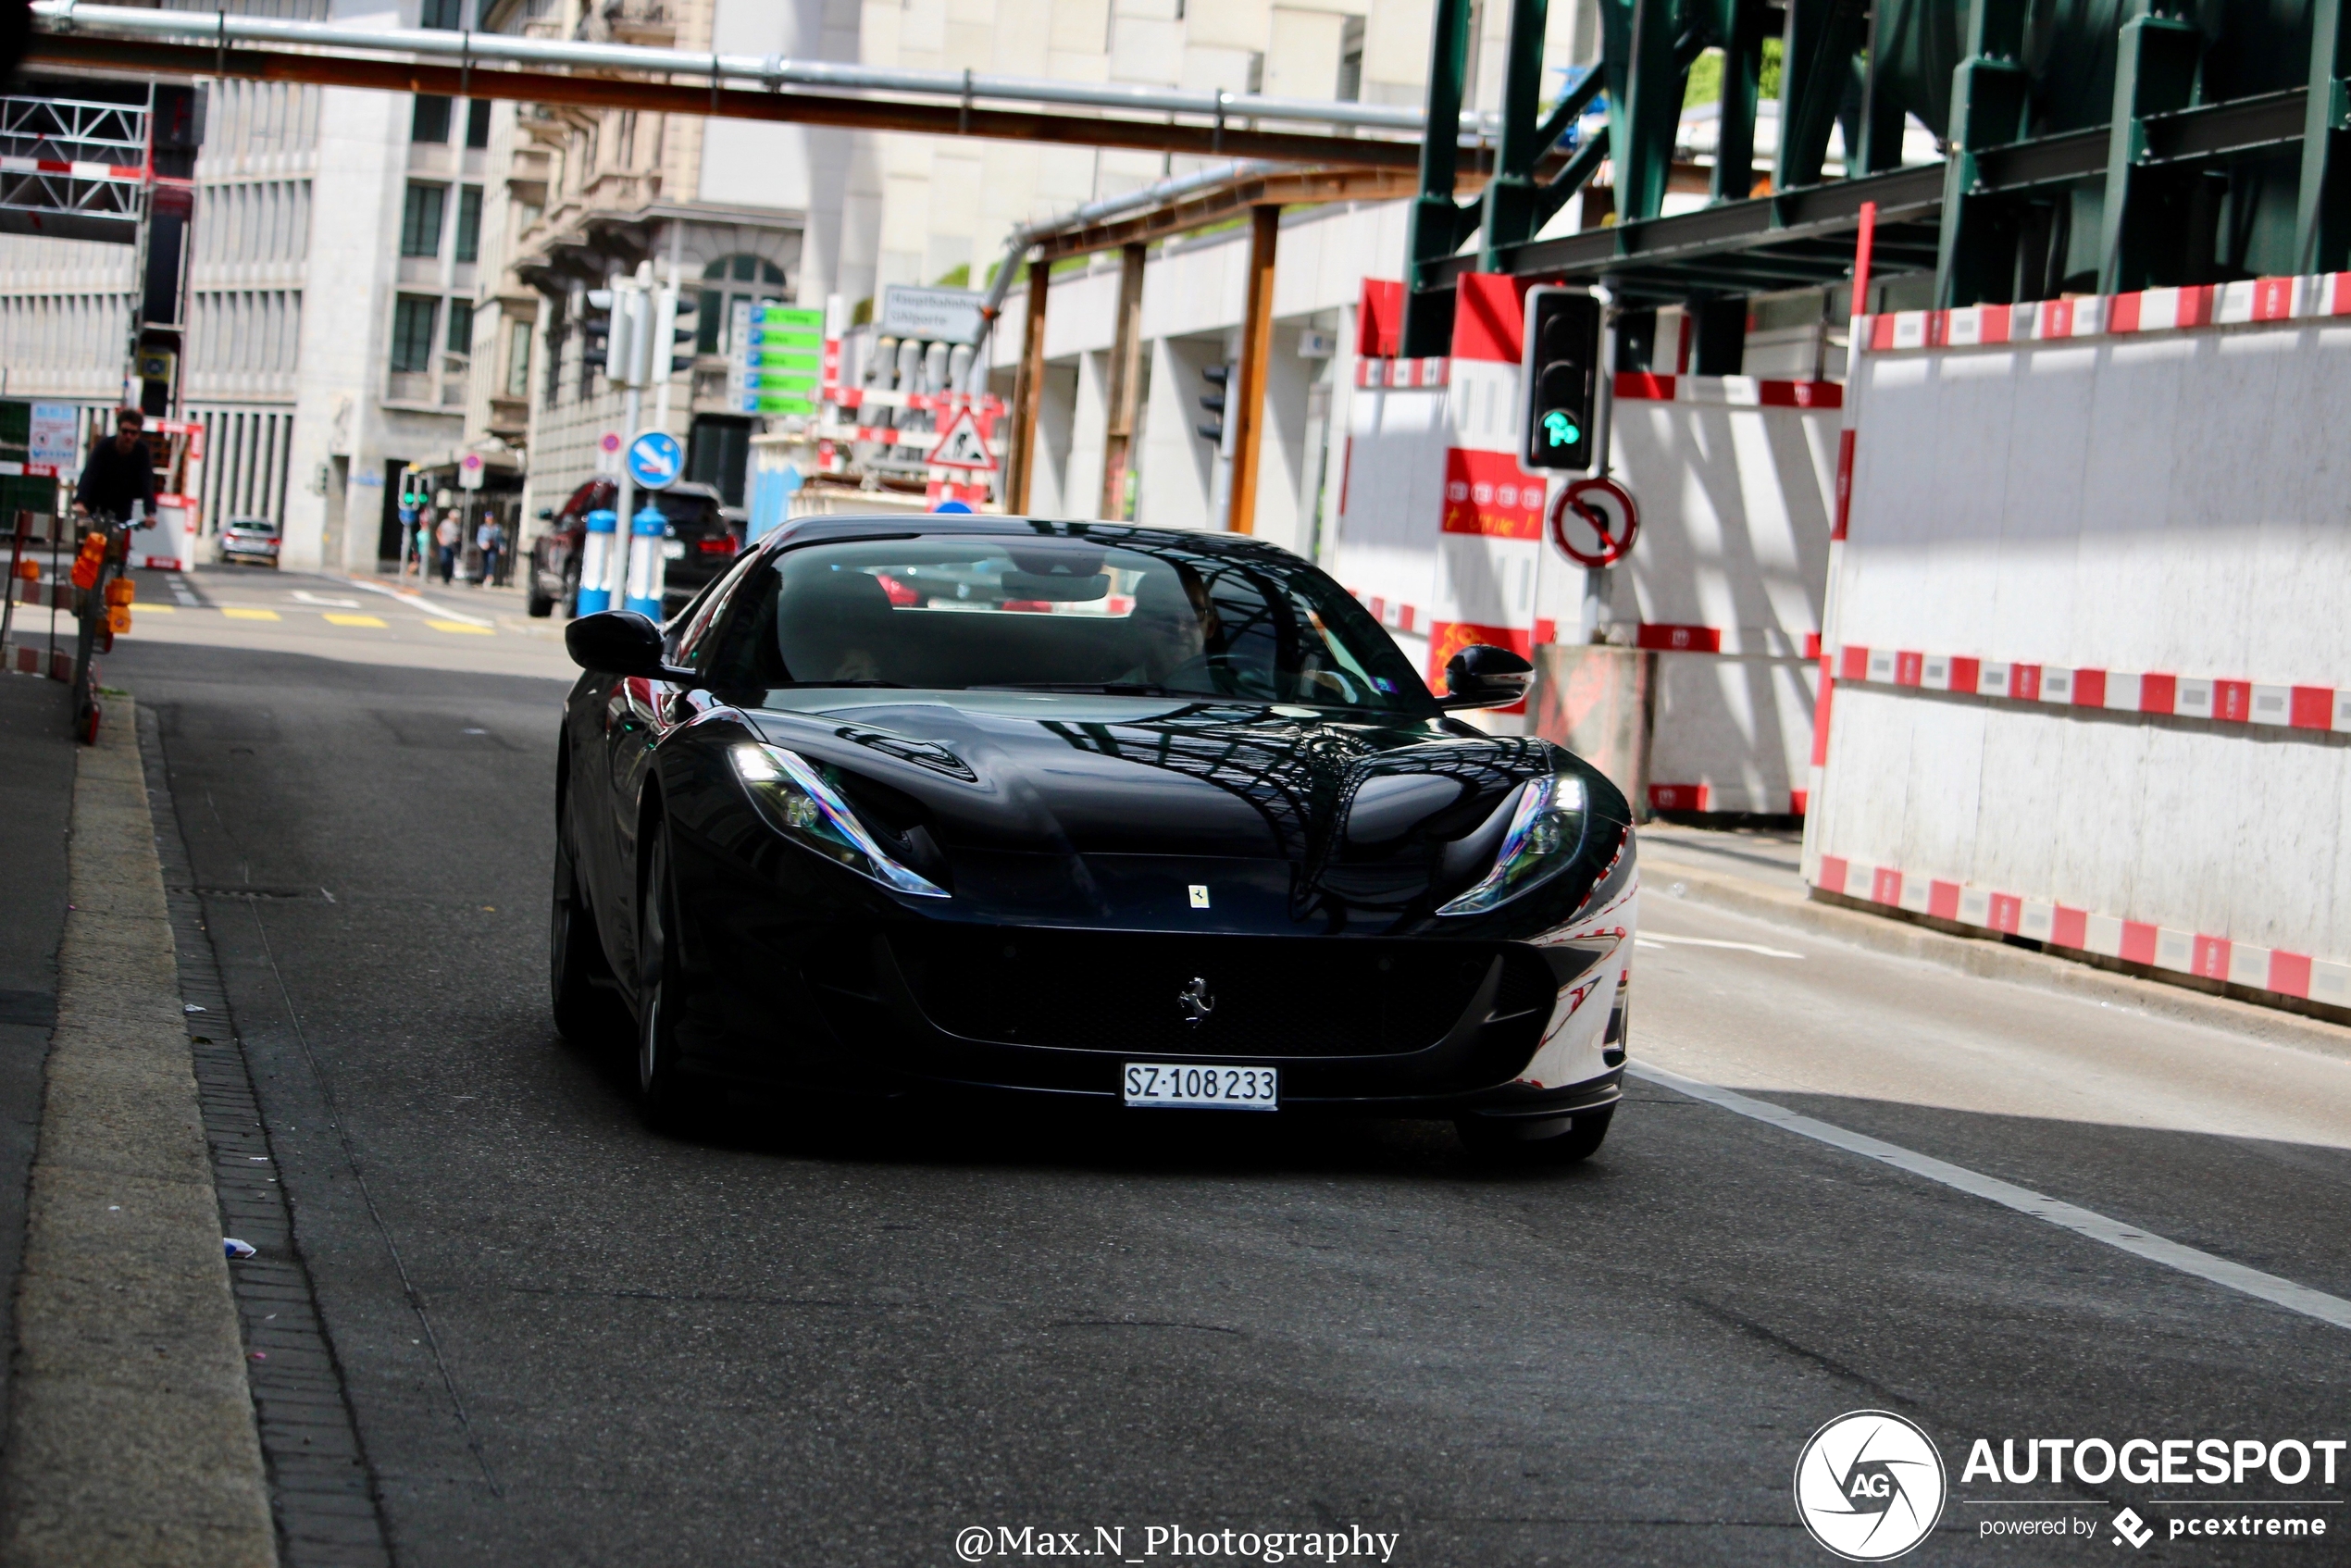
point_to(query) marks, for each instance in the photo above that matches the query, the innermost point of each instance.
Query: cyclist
(120, 471)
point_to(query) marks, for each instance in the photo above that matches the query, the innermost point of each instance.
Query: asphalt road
(570, 1340)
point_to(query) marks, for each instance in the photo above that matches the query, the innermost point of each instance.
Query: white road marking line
(2082, 1222)
(418, 602)
(1654, 939)
(325, 601)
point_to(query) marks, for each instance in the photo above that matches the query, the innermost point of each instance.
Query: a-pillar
(1257, 348)
(1126, 382)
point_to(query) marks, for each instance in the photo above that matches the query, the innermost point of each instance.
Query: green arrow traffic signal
(1560, 429)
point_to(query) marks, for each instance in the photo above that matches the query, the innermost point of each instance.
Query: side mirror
(1482, 676)
(618, 643)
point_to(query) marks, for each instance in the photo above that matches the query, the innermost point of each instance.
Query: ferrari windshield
(1139, 618)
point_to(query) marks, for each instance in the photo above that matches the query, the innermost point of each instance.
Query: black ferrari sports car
(1150, 819)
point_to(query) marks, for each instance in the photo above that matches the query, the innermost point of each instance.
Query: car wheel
(587, 1004)
(1535, 1140)
(571, 597)
(673, 1099)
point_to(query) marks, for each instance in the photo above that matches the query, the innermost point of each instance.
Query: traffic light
(677, 310)
(1218, 377)
(1562, 370)
(619, 331)
(595, 325)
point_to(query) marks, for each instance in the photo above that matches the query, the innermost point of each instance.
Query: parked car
(701, 541)
(250, 539)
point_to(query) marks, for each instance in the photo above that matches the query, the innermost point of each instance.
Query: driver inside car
(1178, 628)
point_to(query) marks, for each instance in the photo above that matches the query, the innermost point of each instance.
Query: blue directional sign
(655, 460)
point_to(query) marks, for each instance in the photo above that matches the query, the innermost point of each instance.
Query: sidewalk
(1758, 872)
(130, 1435)
(36, 809)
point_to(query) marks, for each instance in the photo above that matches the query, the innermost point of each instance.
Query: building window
(420, 220)
(448, 14)
(518, 359)
(461, 327)
(469, 223)
(477, 123)
(412, 319)
(739, 278)
(1350, 60)
(429, 121)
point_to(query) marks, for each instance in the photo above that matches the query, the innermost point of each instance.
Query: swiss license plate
(1220, 1088)
(673, 549)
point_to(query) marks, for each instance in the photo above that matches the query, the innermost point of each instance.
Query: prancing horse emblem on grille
(1197, 1000)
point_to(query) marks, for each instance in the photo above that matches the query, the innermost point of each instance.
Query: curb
(132, 1436)
(1993, 960)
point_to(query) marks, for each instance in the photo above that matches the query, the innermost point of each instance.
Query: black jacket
(111, 480)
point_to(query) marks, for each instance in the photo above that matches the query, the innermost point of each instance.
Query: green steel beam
(1570, 179)
(1435, 221)
(1648, 68)
(1571, 107)
(1743, 26)
(2155, 73)
(1882, 119)
(1816, 64)
(1990, 95)
(1510, 201)
(2323, 210)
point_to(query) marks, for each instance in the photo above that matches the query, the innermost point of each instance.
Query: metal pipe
(771, 71)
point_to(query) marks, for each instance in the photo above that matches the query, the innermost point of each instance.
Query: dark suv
(701, 542)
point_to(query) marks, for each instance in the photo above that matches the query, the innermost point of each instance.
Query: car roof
(922, 525)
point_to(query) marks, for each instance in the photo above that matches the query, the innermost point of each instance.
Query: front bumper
(1373, 1026)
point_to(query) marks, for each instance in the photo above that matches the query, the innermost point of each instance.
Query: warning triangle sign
(959, 446)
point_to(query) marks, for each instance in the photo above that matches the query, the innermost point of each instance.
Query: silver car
(250, 539)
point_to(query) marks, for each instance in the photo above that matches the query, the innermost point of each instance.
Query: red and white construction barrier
(2087, 930)
(2219, 699)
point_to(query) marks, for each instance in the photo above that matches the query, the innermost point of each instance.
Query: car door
(637, 714)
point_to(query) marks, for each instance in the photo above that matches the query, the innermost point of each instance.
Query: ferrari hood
(1121, 775)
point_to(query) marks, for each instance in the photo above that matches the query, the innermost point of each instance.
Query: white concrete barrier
(2094, 667)
(1439, 533)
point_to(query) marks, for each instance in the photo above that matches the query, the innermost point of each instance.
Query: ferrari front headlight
(1547, 829)
(795, 800)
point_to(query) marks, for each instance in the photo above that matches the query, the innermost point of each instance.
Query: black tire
(538, 605)
(673, 1100)
(571, 597)
(586, 1013)
(1536, 1142)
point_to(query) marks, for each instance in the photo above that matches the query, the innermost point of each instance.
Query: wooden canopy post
(1028, 392)
(1257, 346)
(1126, 382)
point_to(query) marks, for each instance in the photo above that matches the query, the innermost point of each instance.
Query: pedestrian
(424, 546)
(120, 471)
(488, 539)
(446, 536)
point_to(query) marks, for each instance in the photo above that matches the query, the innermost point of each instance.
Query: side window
(746, 656)
(697, 632)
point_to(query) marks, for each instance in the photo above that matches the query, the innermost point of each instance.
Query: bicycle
(94, 635)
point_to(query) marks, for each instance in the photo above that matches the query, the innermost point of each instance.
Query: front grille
(1118, 991)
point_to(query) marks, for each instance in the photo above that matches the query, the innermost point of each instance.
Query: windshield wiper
(1107, 688)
